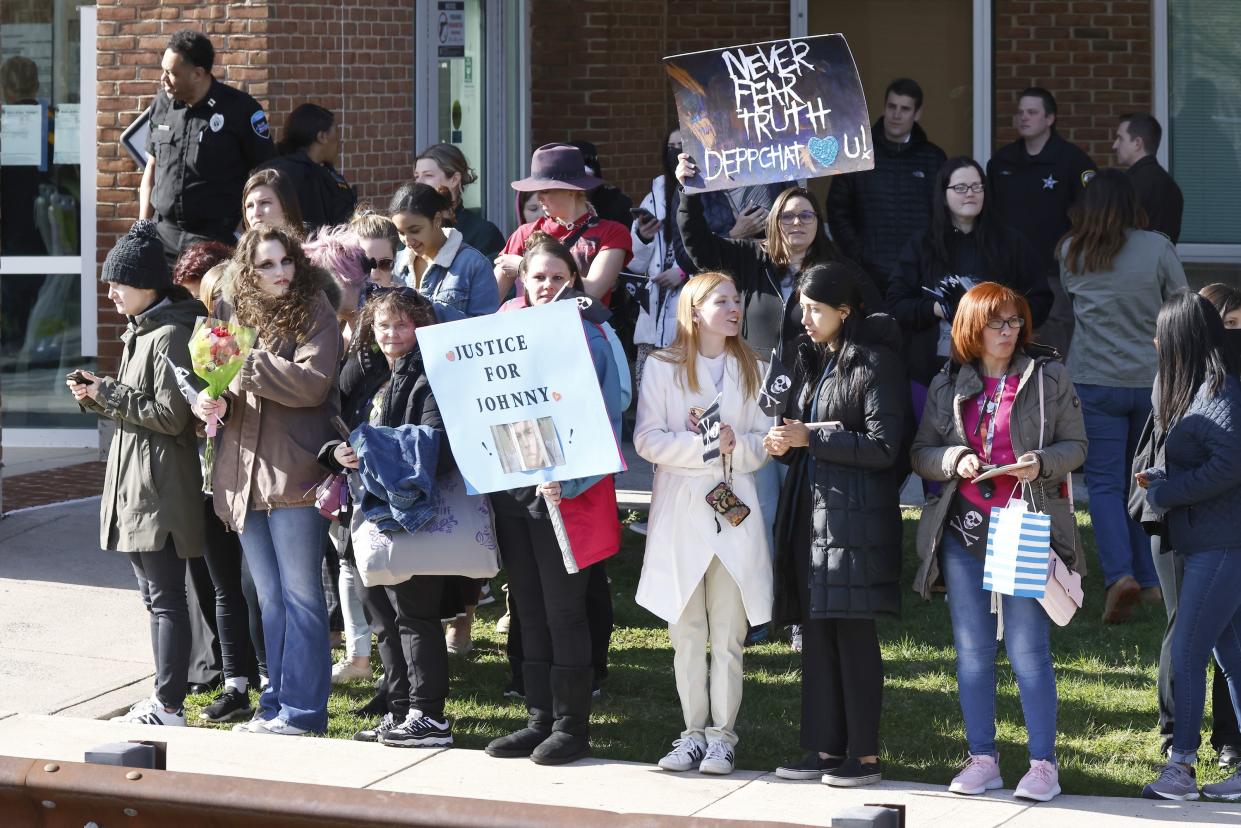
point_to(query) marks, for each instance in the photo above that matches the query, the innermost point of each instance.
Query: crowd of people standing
(937, 317)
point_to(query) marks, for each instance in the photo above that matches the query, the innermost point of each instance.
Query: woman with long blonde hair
(706, 572)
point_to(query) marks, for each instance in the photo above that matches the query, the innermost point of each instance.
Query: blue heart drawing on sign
(824, 150)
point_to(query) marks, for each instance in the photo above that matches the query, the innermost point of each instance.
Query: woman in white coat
(710, 580)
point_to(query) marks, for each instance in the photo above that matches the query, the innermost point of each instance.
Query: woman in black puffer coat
(838, 527)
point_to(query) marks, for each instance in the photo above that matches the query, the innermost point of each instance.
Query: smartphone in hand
(78, 377)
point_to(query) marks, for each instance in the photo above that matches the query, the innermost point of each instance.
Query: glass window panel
(1204, 151)
(40, 181)
(40, 342)
(461, 92)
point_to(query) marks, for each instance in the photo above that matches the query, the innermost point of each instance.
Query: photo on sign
(527, 445)
(771, 112)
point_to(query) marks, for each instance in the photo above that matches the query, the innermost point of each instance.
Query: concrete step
(620, 787)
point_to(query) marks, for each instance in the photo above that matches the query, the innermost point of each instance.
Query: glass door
(47, 212)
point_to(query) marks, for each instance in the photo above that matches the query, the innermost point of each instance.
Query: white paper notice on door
(68, 147)
(23, 136)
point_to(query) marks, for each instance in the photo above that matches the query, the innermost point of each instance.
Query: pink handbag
(332, 497)
(1063, 595)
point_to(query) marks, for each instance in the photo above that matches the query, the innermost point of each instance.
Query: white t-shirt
(716, 366)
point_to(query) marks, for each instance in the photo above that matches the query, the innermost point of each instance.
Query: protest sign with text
(519, 397)
(770, 112)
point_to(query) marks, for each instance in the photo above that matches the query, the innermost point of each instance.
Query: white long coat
(681, 534)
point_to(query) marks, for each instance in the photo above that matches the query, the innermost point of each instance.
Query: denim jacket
(460, 277)
(397, 469)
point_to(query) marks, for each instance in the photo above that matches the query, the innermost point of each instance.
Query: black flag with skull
(774, 397)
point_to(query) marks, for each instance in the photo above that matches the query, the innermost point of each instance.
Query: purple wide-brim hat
(557, 167)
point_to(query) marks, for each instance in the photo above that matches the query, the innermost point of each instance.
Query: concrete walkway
(622, 787)
(76, 646)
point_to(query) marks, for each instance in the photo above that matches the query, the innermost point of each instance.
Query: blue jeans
(1027, 638)
(1208, 616)
(283, 550)
(1114, 420)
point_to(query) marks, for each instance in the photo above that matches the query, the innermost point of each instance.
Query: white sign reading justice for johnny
(519, 397)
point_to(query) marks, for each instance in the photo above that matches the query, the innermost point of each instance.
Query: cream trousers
(715, 613)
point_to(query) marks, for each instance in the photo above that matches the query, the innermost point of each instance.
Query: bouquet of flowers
(217, 351)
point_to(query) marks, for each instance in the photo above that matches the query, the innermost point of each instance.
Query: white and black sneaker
(685, 755)
(419, 731)
(376, 732)
(151, 712)
(719, 759)
(232, 704)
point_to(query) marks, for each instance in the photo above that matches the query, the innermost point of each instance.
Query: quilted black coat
(854, 475)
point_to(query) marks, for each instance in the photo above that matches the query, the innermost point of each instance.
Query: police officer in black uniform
(1035, 180)
(205, 138)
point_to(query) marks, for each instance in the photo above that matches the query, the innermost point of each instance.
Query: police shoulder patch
(258, 122)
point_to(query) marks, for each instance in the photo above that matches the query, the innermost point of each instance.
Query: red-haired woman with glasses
(986, 409)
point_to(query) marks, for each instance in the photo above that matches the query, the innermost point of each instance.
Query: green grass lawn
(1107, 745)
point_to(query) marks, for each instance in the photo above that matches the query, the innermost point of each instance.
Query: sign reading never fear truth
(769, 112)
(519, 397)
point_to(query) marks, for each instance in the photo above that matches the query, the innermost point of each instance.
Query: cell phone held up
(77, 377)
(641, 214)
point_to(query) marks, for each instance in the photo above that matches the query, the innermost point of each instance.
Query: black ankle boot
(539, 703)
(569, 740)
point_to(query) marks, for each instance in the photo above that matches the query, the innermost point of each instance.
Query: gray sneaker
(1175, 782)
(1229, 790)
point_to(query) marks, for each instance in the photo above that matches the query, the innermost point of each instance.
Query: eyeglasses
(1014, 322)
(383, 264)
(962, 189)
(804, 217)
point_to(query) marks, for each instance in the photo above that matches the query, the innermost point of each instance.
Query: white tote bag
(458, 540)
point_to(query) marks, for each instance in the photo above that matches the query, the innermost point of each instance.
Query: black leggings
(161, 581)
(551, 603)
(239, 624)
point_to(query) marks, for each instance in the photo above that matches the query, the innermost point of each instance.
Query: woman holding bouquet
(152, 511)
(285, 394)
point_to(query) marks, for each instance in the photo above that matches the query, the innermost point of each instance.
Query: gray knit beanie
(137, 259)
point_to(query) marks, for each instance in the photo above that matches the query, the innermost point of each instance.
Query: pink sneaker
(980, 774)
(1041, 783)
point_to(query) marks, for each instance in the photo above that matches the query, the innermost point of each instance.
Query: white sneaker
(255, 725)
(347, 670)
(685, 755)
(152, 712)
(137, 710)
(280, 727)
(719, 759)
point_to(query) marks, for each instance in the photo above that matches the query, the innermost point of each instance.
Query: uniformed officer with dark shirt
(205, 138)
(1137, 141)
(1035, 180)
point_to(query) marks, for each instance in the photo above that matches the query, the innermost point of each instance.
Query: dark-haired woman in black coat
(838, 526)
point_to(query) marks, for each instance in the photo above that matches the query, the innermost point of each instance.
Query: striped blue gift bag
(1018, 551)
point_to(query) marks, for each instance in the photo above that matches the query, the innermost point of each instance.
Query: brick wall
(596, 73)
(1094, 56)
(338, 53)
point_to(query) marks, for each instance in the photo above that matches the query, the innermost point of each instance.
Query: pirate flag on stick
(709, 428)
(774, 396)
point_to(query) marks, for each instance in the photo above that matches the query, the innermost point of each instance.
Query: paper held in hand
(996, 471)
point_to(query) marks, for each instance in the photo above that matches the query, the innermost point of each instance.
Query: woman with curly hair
(264, 488)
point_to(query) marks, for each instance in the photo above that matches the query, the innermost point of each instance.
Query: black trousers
(329, 572)
(161, 581)
(238, 622)
(1170, 567)
(381, 618)
(175, 240)
(599, 617)
(417, 605)
(841, 668)
(551, 603)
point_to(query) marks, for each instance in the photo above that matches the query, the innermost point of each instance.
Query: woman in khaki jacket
(275, 416)
(1000, 400)
(151, 506)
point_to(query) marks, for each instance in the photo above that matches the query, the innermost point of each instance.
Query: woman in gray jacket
(152, 502)
(1000, 400)
(1117, 276)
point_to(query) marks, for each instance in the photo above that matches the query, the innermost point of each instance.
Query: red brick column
(1093, 55)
